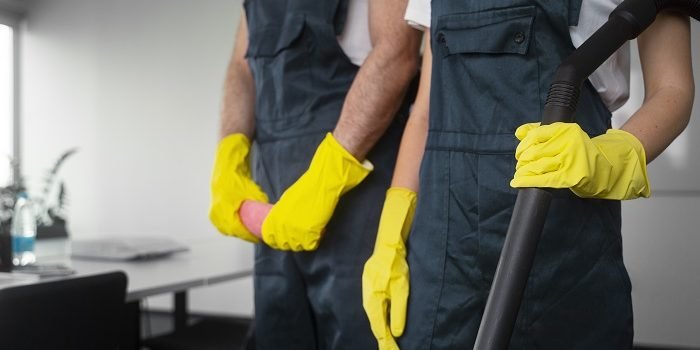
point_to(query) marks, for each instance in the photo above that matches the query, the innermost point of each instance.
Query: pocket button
(441, 38)
(519, 37)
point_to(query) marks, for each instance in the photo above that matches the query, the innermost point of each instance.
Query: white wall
(135, 85)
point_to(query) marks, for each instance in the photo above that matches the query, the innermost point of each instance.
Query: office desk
(211, 259)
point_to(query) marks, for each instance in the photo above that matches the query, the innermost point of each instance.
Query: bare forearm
(381, 82)
(411, 153)
(668, 82)
(660, 120)
(237, 109)
(407, 168)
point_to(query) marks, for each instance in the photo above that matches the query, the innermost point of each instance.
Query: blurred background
(135, 85)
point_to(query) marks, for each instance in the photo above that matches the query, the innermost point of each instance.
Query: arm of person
(385, 284)
(231, 182)
(416, 131)
(665, 55)
(237, 108)
(297, 221)
(381, 82)
(613, 165)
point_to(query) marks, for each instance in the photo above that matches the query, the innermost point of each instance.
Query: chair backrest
(73, 314)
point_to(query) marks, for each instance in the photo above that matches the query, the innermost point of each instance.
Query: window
(7, 125)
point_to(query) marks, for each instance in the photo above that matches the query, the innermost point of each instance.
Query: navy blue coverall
(310, 300)
(493, 61)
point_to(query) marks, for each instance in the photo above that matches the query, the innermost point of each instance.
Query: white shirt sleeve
(418, 14)
(612, 78)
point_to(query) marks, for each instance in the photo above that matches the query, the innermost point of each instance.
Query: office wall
(135, 85)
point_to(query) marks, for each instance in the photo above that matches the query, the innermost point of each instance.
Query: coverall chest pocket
(488, 69)
(278, 58)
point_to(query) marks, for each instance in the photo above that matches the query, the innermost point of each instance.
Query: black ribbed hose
(626, 22)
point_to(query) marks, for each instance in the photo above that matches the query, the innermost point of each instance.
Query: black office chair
(83, 313)
(209, 333)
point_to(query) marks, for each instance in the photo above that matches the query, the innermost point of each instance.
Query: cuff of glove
(232, 155)
(635, 175)
(238, 143)
(397, 216)
(232, 160)
(347, 167)
(334, 145)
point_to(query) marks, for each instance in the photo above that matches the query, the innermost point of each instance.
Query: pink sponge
(252, 214)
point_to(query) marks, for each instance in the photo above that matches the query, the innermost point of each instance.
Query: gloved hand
(385, 278)
(298, 219)
(231, 184)
(561, 155)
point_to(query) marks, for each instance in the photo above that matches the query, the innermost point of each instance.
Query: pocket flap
(272, 39)
(492, 31)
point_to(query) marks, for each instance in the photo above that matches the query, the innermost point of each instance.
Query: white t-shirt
(354, 40)
(612, 79)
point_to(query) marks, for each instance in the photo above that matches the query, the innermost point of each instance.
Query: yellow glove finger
(310, 242)
(270, 240)
(544, 135)
(522, 131)
(379, 322)
(387, 344)
(289, 242)
(540, 167)
(528, 142)
(399, 301)
(535, 152)
(375, 303)
(550, 180)
(282, 245)
(542, 175)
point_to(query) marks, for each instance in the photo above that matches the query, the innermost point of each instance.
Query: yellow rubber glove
(298, 219)
(385, 278)
(561, 155)
(231, 184)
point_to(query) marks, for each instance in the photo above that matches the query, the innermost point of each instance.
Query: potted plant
(50, 203)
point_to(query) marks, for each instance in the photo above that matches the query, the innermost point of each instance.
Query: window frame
(13, 20)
